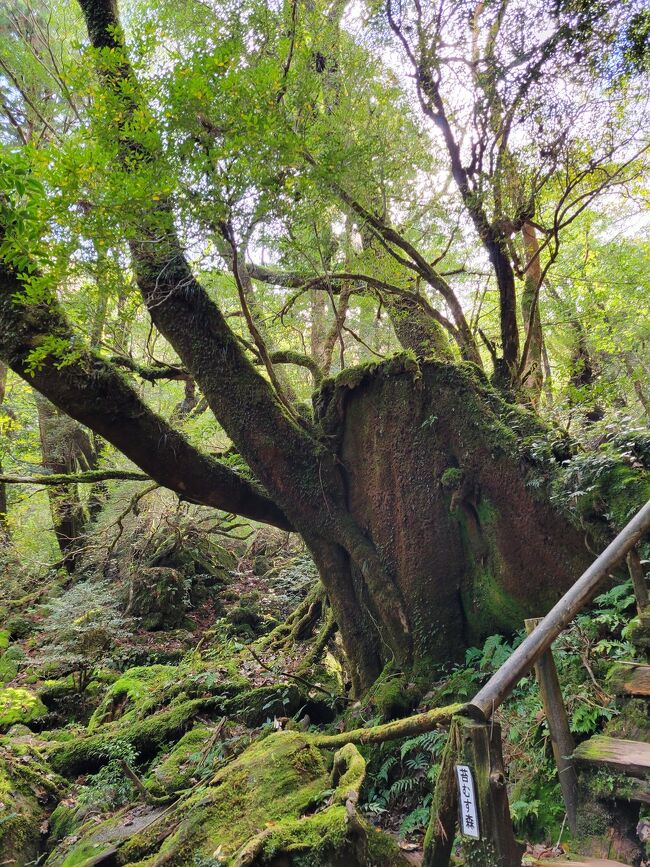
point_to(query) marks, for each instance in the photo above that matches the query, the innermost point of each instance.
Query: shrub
(83, 630)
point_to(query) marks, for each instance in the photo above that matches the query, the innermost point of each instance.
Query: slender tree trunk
(60, 451)
(582, 368)
(335, 333)
(318, 303)
(631, 363)
(532, 376)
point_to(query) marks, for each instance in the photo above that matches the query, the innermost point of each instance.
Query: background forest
(324, 336)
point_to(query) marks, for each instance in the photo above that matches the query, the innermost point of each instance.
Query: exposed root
(315, 652)
(413, 725)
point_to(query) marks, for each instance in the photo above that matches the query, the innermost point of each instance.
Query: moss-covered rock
(275, 803)
(148, 737)
(18, 705)
(159, 596)
(246, 621)
(62, 823)
(395, 698)
(144, 690)
(10, 663)
(28, 790)
(138, 689)
(174, 771)
(19, 626)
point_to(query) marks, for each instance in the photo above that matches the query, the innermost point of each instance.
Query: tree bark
(441, 484)
(417, 330)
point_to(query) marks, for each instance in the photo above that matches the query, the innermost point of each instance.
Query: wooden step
(578, 861)
(626, 757)
(631, 678)
(632, 790)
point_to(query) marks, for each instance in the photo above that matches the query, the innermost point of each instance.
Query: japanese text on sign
(467, 803)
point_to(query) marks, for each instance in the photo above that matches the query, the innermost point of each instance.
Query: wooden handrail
(520, 662)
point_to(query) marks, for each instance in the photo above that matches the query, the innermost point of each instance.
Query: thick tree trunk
(439, 480)
(417, 330)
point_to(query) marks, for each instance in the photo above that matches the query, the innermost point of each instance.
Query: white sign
(467, 803)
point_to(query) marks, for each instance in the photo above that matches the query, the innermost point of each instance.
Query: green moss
(159, 597)
(148, 736)
(53, 691)
(352, 377)
(9, 663)
(255, 706)
(175, 770)
(138, 689)
(315, 841)
(246, 620)
(492, 604)
(383, 851)
(395, 698)
(270, 798)
(19, 626)
(452, 478)
(18, 705)
(23, 774)
(4, 639)
(485, 600)
(62, 823)
(84, 852)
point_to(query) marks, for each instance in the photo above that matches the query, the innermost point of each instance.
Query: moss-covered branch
(93, 392)
(300, 359)
(401, 728)
(89, 477)
(151, 373)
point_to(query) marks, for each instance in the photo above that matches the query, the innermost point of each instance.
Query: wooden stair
(626, 757)
(631, 678)
(578, 861)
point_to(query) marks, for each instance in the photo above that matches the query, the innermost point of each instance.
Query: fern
(402, 786)
(385, 769)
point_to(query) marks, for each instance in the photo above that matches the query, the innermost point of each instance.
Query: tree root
(315, 652)
(412, 725)
(285, 633)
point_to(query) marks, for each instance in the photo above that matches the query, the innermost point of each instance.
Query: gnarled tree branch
(93, 392)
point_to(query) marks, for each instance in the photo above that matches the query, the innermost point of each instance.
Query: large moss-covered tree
(415, 483)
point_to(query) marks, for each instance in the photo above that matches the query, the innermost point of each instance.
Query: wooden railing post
(558, 726)
(478, 802)
(443, 817)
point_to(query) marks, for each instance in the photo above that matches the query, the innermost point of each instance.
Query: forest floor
(117, 739)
